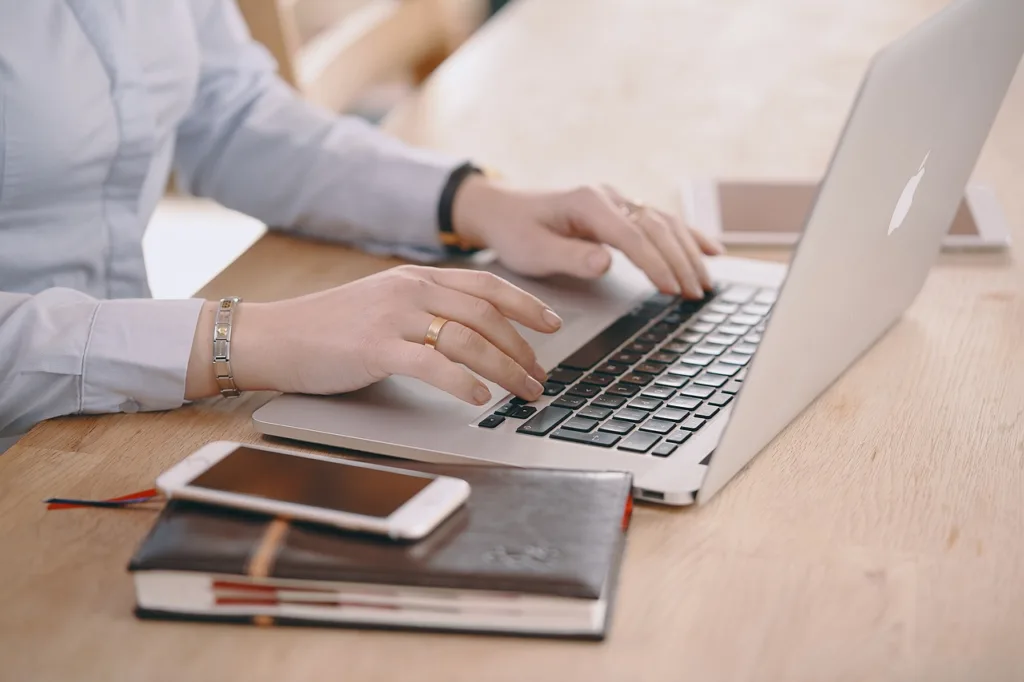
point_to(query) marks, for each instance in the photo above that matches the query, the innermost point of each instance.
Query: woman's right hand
(345, 338)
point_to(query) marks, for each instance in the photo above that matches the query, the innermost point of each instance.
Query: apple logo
(907, 198)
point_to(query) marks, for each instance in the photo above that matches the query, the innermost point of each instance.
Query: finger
(426, 364)
(686, 238)
(662, 233)
(484, 318)
(708, 245)
(597, 215)
(509, 300)
(464, 345)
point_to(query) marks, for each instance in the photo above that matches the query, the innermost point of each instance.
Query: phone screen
(312, 482)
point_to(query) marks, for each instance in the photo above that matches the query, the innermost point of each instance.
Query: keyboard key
(592, 412)
(697, 391)
(505, 409)
(662, 358)
(491, 421)
(742, 375)
(626, 358)
(517, 401)
(723, 307)
(598, 379)
(766, 296)
(707, 349)
(641, 347)
(652, 337)
(743, 318)
(598, 438)
(627, 390)
(721, 339)
(738, 294)
(685, 370)
(551, 388)
(681, 346)
(671, 380)
(760, 328)
(606, 400)
(757, 309)
(636, 378)
(672, 414)
(711, 380)
(697, 359)
(614, 335)
(584, 390)
(641, 441)
(658, 392)
(649, 368)
(692, 424)
(545, 420)
(713, 318)
(658, 426)
(578, 423)
(723, 369)
(720, 399)
(735, 359)
(744, 348)
(752, 338)
(617, 426)
(733, 329)
(561, 375)
(685, 402)
(523, 412)
(571, 401)
(699, 328)
(679, 436)
(612, 368)
(706, 411)
(732, 387)
(664, 450)
(649, 404)
(631, 414)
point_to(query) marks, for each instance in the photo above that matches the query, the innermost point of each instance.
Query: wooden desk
(879, 538)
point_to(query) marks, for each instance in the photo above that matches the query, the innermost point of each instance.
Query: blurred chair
(333, 50)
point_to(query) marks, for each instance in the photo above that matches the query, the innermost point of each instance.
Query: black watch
(453, 243)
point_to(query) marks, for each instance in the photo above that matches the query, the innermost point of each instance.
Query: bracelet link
(222, 346)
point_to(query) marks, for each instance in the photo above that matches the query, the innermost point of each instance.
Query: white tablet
(772, 213)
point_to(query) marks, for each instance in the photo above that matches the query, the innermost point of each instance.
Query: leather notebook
(533, 552)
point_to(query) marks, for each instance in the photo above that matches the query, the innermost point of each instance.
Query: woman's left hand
(547, 233)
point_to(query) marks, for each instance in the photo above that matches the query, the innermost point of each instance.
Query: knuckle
(465, 338)
(485, 311)
(588, 195)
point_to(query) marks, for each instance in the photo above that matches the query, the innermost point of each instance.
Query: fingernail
(538, 372)
(694, 290)
(597, 261)
(551, 318)
(533, 388)
(481, 395)
(674, 288)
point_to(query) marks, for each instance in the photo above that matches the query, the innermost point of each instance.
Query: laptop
(684, 394)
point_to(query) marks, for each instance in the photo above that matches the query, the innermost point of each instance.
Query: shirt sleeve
(63, 352)
(254, 145)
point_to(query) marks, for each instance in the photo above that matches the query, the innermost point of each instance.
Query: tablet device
(772, 213)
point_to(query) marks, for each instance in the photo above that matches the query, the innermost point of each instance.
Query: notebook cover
(541, 532)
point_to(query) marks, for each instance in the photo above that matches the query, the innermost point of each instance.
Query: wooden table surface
(881, 537)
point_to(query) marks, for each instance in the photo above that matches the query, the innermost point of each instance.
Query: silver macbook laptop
(684, 394)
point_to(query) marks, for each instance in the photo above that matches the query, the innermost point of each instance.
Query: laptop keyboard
(652, 378)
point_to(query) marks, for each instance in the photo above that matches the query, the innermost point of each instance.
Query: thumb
(577, 257)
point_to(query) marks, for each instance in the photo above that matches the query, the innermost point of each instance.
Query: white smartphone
(772, 213)
(352, 495)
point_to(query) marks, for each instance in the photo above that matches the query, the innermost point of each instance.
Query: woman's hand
(546, 233)
(354, 335)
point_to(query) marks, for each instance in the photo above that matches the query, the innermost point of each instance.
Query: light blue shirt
(99, 100)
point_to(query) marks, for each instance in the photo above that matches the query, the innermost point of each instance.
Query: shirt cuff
(137, 354)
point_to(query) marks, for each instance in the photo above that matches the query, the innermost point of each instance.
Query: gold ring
(632, 209)
(430, 340)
